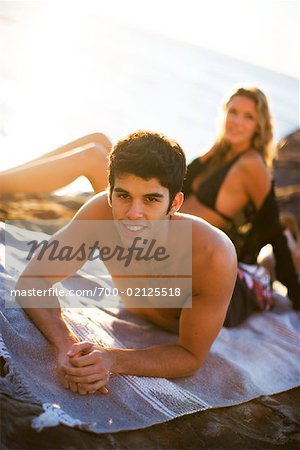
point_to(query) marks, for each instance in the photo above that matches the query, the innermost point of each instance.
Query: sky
(41, 38)
(264, 32)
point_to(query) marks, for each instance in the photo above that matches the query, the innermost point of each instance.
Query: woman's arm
(267, 227)
(256, 179)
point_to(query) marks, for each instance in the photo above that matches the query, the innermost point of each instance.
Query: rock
(287, 175)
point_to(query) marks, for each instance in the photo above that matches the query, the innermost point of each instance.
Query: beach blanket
(260, 357)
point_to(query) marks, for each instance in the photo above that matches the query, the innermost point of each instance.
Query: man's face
(136, 201)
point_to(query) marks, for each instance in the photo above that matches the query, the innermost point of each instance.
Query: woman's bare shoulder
(252, 166)
(252, 160)
(256, 177)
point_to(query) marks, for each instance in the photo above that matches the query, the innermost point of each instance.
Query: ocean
(62, 77)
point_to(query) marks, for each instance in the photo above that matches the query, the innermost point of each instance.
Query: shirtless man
(146, 172)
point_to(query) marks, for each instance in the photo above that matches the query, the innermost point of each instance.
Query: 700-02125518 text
(99, 291)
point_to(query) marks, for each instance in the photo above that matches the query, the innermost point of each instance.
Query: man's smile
(134, 227)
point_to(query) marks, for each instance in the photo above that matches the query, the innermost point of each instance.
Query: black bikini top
(208, 190)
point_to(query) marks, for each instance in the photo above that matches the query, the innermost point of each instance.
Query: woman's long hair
(262, 140)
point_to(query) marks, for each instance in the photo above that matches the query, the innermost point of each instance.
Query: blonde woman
(231, 187)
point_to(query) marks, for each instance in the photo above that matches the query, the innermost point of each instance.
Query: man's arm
(41, 274)
(214, 270)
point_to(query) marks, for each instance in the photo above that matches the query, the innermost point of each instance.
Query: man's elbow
(192, 372)
(193, 364)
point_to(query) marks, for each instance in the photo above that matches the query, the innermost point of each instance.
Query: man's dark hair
(148, 155)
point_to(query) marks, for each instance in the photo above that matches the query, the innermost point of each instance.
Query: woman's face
(241, 122)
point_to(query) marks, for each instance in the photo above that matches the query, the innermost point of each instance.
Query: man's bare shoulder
(97, 208)
(211, 247)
